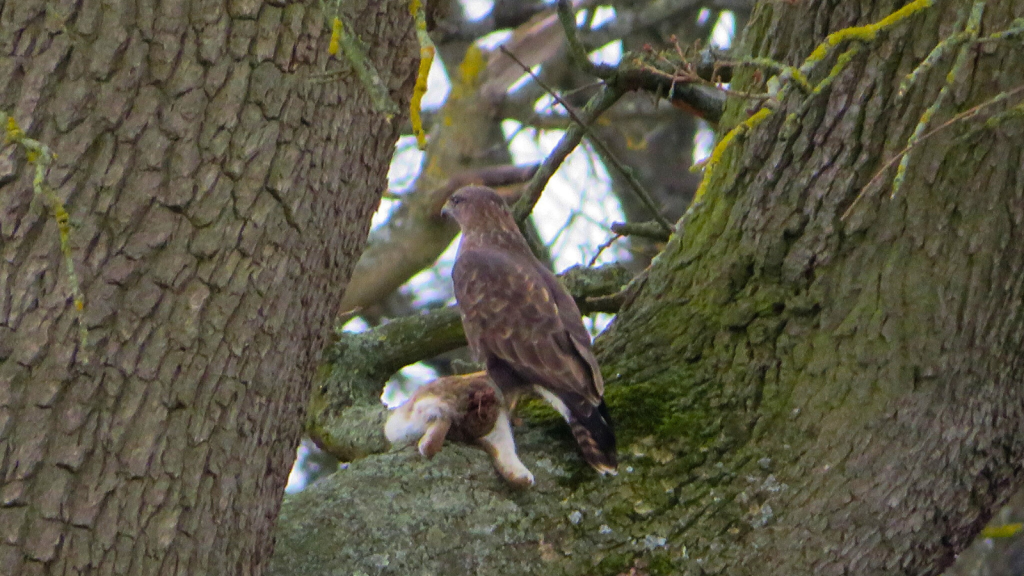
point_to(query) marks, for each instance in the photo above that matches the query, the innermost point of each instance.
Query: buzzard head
(473, 203)
(485, 220)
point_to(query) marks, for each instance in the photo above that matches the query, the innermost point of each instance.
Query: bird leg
(513, 400)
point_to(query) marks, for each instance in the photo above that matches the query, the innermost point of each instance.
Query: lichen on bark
(796, 390)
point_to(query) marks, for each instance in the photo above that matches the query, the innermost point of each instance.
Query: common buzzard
(522, 324)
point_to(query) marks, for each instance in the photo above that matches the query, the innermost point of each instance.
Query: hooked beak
(447, 211)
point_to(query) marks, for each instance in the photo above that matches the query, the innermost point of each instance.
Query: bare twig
(576, 48)
(597, 104)
(960, 64)
(707, 102)
(355, 52)
(649, 230)
(965, 115)
(626, 172)
(42, 157)
(712, 66)
(671, 85)
(490, 176)
(602, 248)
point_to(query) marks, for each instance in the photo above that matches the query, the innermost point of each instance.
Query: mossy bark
(220, 189)
(797, 390)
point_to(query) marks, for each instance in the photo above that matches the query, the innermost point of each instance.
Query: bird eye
(454, 200)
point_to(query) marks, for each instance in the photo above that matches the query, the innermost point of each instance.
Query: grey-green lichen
(397, 513)
(41, 156)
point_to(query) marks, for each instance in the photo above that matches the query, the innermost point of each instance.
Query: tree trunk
(220, 192)
(820, 375)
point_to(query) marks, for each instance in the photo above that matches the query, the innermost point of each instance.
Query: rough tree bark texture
(221, 193)
(795, 392)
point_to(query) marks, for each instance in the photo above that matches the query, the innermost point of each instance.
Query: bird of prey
(522, 324)
(467, 409)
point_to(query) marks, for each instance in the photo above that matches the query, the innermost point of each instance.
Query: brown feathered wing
(522, 324)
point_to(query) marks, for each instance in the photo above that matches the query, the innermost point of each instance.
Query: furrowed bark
(220, 192)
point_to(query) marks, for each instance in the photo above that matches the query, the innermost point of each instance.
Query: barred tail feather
(591, 425)
(594, 434)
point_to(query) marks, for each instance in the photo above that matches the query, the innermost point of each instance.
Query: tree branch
(606, 153)
(346, 416)
(490, 176)
(413, 236)
(649, 230)
(399, 513)
(703, 101)
(603, 100)
(577, 50)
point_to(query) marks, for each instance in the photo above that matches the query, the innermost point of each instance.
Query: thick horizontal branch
(492, 177)
(346, 416)
(700, 100)
(368, 359)
(527, 116)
